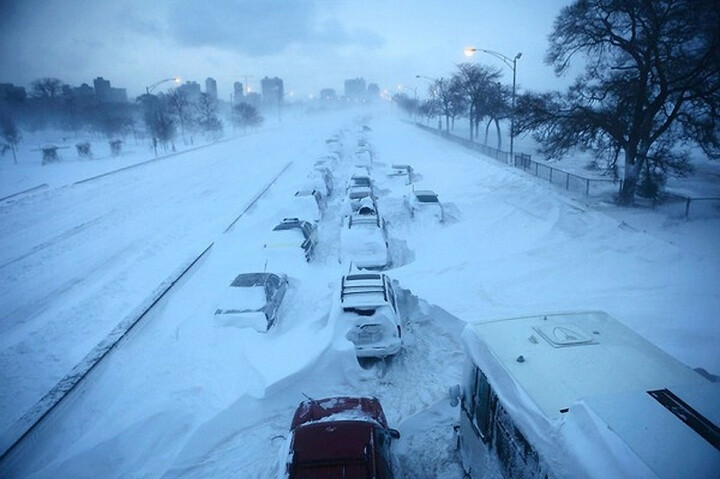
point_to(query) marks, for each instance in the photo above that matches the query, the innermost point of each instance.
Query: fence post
(567, 181)
(687, 208)
(536, 167)
(587, 187)
(551, 170)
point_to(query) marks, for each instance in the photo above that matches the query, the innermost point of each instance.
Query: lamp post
(512, 64)
(434, 92)
(149, 88)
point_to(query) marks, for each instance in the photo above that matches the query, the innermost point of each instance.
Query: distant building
(104, 93)
(272, 91)
(355, 89)
(253, 99)
(373, 91)
(328, 94)
(191, 90)
(211, 88)
(11, 94)
(238, 92)
(84, 95)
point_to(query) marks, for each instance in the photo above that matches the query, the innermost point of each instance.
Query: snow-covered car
(370, 309)
(364, 241)
(295, 235)
(307, 204)
(339, 437)
(319, 180)
(359, 186)
(424, 203)
(402, 172)
(252, 300)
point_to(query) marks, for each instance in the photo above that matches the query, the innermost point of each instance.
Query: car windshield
(361, 181)
(427, 198)
(240, 298)
(291, 236)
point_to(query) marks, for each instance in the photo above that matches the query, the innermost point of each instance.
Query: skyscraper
(238, 92)
(272, 91)
(355, 89)
(211, 88)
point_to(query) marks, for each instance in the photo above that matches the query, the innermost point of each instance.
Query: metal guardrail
(557, 176)
(524, 162)
(688, 200)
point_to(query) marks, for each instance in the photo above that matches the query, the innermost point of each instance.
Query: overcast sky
(310, 44)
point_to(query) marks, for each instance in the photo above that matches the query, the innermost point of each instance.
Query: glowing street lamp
(149, 88)
(512, 64)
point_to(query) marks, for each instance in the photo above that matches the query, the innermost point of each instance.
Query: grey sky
(311, 44)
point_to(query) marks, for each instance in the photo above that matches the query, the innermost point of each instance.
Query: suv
(307, 204)
(343, 437)
(369, 305)
(359, 186)
(253, 300)
(425, 203)
(294, 233)
(364, 239)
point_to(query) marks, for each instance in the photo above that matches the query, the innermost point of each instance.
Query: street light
(434, 92)
(149, 88)
(512, 64)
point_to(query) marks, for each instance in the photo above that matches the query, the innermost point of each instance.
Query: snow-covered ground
(186, 396)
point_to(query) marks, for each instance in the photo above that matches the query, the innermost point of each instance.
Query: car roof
(339, 408)
(371, 219)
(424, 193)
(363, 289)
(252, 279)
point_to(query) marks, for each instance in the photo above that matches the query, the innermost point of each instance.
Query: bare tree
(476, 81)
(246, 115)
(11, 134)
(651, 84)
(158, 120)
(181, 108)
(207, 116)
(411, 106)
(47, 88)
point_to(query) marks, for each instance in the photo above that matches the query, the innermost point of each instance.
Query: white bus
(581, 395)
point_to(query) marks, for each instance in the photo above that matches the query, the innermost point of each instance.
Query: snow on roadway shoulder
(77, 260)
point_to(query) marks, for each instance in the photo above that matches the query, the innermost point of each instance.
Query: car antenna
(314, 401)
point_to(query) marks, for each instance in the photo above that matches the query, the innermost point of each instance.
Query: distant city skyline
(311, 45)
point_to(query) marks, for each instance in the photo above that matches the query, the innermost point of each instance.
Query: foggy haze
(310, 44)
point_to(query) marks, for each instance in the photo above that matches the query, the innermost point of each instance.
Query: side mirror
(454, 394)
(394, 433)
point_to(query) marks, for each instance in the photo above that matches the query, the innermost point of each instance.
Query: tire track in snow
(58, 238)
(22, 429)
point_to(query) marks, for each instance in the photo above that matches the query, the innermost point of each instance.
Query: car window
(481, 398)
(391, 293)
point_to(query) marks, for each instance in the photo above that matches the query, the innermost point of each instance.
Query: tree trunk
(447, 123)
(497, 127)
(633, 165)
(487, 128)
(471, 127)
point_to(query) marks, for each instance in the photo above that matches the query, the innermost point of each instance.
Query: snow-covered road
(74, 261)
(187, 397)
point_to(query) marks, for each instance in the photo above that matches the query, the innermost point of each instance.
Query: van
(581, 395)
